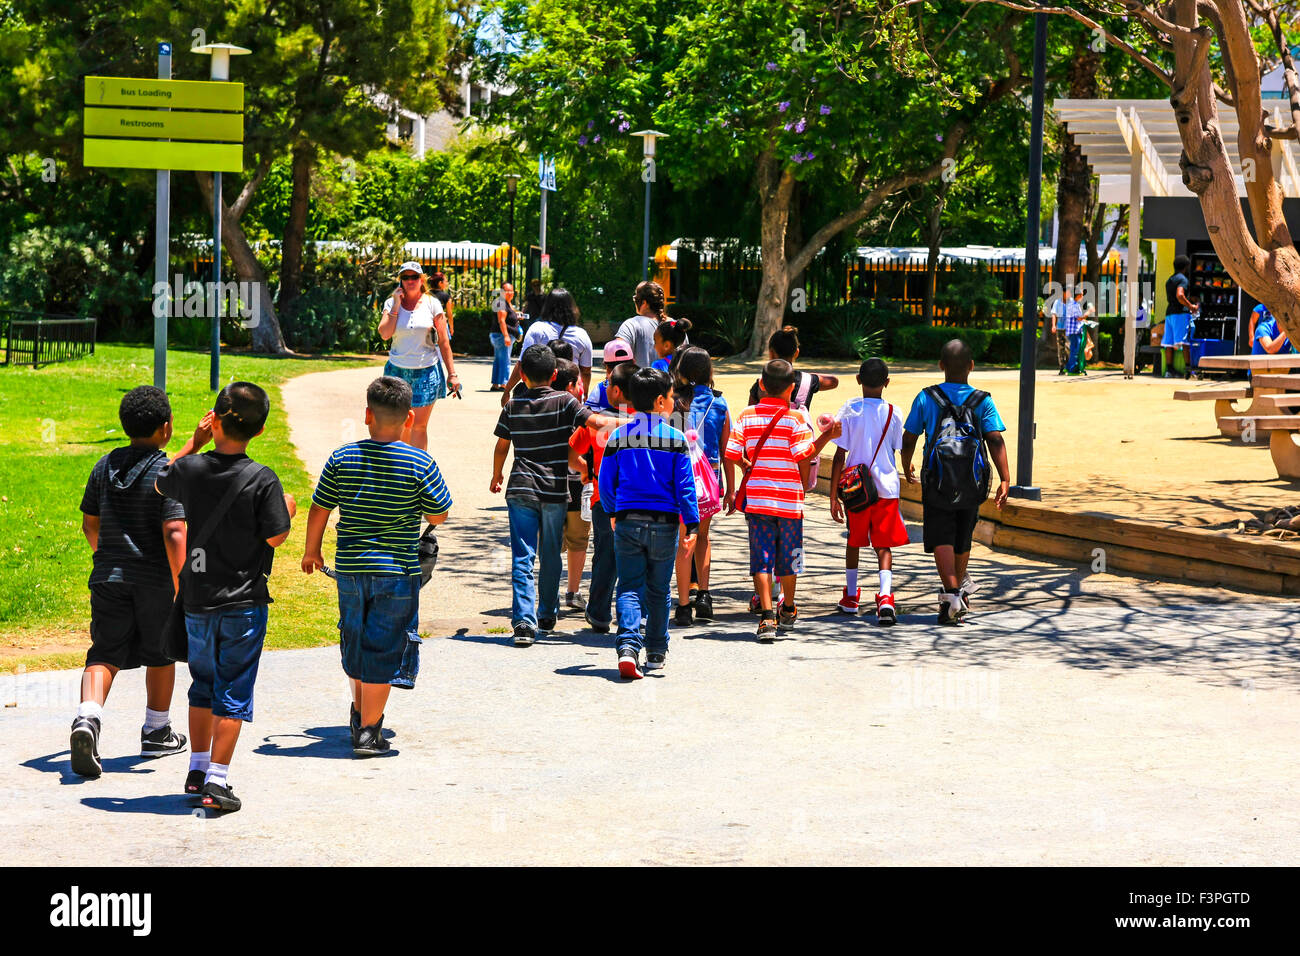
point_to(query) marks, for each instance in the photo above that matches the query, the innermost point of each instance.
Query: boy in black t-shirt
(224, 579)
(538, 424)
(138, 540)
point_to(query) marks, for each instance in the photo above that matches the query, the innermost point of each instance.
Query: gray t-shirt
(639, 332)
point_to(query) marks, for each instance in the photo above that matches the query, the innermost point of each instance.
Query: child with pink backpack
(707, 423)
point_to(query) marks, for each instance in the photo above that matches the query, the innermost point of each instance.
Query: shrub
(1004, 347)
(925, 341)
(1106, 348)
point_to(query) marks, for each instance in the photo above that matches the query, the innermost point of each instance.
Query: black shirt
(1172, 284)
(539, 424)
(131, 515)
(236, 561)
(443, 297)
(802, 380)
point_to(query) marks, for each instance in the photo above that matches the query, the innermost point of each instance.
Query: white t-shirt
(415, 343)
(863, 421)
(539, 333)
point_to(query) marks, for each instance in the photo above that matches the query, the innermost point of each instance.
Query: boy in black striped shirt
(538, 423)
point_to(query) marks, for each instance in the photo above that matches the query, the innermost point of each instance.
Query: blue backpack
(956, 470)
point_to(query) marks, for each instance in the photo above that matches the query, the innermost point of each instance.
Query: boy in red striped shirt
(774, 489)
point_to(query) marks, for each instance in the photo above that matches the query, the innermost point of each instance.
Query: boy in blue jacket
(647, 484)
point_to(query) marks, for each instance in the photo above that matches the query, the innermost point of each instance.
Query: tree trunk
(266, 333)
(934, 235)
(1074, 188)
(775, 187)
(295, 230)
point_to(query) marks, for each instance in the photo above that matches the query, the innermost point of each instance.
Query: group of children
(642, 464)
(157, 565)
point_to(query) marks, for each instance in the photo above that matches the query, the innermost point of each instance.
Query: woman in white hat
(421, 351)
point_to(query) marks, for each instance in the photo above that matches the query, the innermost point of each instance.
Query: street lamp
(220, 70)
(648, 137)
(512, 186)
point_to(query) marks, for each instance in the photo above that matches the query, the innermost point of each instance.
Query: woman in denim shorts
(421, 351)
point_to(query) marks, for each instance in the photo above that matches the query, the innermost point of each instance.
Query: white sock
(153, 719)
(89, 708)
(851, 580)
(200, 761)
(886, 581)
(217, 773)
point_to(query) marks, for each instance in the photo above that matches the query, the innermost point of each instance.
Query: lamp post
(512, 186)
(1024, 486)
(220, 70)
(648, 137)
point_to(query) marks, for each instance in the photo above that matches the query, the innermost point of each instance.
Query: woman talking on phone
(421, 351)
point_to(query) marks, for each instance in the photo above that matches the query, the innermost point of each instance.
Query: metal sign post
(161, 245)
(546, 183)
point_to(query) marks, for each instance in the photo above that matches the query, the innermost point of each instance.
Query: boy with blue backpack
(958, 422)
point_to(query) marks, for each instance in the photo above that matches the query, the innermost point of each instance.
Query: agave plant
(854, 335)
(733, 324)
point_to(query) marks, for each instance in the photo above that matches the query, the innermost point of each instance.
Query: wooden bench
(1272, 376)
(1283, 382)
(1280, 402)
(1282, 433)
(1237, 425)
(1222, 395)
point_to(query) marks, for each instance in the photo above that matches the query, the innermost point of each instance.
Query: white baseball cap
(411, 266)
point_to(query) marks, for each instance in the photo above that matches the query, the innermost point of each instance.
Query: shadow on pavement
(60, 763)
(332, 743)
(167, 805)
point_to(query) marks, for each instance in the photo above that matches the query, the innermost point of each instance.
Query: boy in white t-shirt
(871, 436)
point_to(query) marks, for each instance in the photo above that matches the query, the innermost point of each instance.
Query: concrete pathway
(1082, 719)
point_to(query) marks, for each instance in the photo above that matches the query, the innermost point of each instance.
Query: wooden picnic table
(1263, 390)
(1250, 363)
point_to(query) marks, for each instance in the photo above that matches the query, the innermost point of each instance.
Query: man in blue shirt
(947, 532)
(1074, 330)
(1268, 337)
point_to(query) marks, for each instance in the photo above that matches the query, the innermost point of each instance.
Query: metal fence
(36, 338)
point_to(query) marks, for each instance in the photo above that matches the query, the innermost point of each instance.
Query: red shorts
(879, 526)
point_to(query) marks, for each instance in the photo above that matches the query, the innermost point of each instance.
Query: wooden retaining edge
(1191, 554)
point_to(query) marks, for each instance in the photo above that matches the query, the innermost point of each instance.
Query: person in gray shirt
(639, 330)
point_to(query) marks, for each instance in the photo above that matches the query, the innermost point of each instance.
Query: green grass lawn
(55, 422)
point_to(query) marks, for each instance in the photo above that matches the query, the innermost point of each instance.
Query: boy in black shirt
(138, 540)
(224, 579)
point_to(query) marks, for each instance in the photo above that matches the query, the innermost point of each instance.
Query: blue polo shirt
(1267, 328)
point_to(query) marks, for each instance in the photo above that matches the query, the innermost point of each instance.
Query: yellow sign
(155, 154)
(176, 94)
(165, 124)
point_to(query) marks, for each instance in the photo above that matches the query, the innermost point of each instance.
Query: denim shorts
(225, 648)
(427, 384)
(379, 622)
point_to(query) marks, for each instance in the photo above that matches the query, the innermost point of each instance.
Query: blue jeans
(500, 358)
(536, 533)
(1076, 349)
(224, 650)
(379, 627)
(645, 552)
(604, 568)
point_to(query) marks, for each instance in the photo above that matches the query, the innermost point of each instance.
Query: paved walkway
(1083, 719)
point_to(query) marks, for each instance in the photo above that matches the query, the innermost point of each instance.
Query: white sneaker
(968, 587)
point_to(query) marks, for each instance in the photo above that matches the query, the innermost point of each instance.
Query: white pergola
(1133, 147)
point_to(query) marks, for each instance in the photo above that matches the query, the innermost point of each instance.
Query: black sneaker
(84, 744)
(683, 617)
(524, 635)
(354, 722)
(194, 783)
(595, 626)
(371, 742)
(655, 662)
(628, 667)
(546, 623)
(703, 606)
(161, 742)
(220, 797)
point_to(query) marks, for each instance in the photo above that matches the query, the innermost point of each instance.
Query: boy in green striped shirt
(381, 486)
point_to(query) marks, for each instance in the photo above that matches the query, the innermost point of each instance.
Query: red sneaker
(885, 613)
(849, 602)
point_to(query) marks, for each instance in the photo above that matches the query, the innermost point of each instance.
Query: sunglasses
(409, 278)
